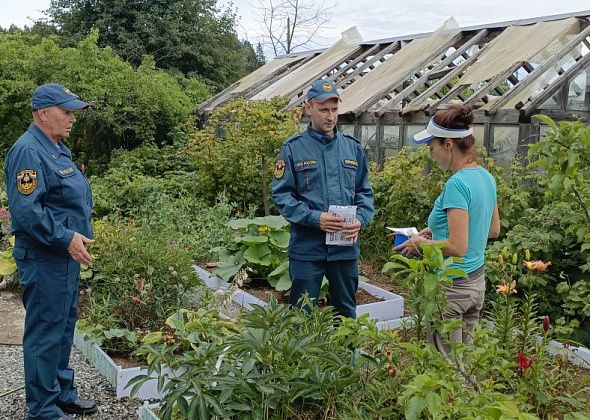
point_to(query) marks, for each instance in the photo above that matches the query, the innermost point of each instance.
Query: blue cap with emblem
(54, 94)
(322, 90)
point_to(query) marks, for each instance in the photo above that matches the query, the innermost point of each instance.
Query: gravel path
(88, 381)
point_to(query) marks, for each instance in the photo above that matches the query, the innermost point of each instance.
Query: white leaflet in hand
(346, 213)
(408, 231)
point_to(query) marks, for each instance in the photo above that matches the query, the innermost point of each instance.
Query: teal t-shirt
(474, 190)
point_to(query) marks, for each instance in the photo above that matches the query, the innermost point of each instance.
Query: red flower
(523, 363)
(546, 323)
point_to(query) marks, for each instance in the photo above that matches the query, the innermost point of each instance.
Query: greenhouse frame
(507, 71)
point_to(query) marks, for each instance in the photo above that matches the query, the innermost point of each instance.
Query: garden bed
(387, 306)
(116, 375)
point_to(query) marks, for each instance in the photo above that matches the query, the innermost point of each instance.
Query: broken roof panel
(396, 67)
(331, 58)
(518, 43)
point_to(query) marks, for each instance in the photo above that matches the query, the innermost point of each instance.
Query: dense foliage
(188, 36)
(236, 151)
(282, 363)
(130, 106)
(557, 228)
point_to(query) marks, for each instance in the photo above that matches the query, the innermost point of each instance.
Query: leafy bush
(283, 363)
(140, 276)
(556, 228)
(130, 106)
(260, 251)
(398, 201)
(235, 153)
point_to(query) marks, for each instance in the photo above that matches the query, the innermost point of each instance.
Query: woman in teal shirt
(464, 215)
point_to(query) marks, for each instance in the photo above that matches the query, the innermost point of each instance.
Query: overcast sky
(374, 19)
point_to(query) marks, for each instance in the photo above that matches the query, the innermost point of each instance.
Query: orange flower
(538, 266)
(505, 288)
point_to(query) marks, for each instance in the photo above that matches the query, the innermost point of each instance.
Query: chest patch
(350, 163)
(302, 164)
(66, 171)
(26, 181)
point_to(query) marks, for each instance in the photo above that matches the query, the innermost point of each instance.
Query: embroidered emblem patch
(327, 87)
(26, 181)
(69, 92)
(279, 169)
(66, 171)
(351, 162)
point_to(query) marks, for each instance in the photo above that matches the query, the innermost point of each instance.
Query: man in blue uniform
(50, 202)
(317, 168)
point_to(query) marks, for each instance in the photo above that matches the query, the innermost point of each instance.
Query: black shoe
(79, 406)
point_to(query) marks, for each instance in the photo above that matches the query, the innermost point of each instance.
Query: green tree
(130, 106)
(236, 151)
(191, 36)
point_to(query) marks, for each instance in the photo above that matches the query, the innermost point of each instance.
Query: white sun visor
(434, 130)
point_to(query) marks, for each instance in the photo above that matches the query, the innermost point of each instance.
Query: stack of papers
(407, 231)
(346, 213)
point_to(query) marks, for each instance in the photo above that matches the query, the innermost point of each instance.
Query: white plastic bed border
(389, 309)
(116, 375)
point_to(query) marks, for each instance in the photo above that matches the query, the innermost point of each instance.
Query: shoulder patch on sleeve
(26, 181)
(279, 169)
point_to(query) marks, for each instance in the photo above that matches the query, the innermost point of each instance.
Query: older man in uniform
(317, 168)
(50, 202)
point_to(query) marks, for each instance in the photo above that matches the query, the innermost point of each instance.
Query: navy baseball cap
(322, 90)
(54, 94)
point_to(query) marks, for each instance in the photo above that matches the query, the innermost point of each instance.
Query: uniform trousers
(342, 278)
(51, 281)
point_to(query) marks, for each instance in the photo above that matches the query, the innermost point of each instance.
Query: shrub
(130, 106)
(140, 276)
(235, 153)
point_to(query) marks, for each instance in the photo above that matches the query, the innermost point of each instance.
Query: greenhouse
(507, 71)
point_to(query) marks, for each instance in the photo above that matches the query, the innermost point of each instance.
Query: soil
(372, 271)
(261, 289)
(12, 315)
(126, 361)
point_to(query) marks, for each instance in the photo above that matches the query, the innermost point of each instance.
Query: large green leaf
(239, 223)
(546, 120)
(227, 270)
(250, 239)
(284, 267)
(259, 254)
(279, 238)
(284, 283)
(273, 222)
(7, 266)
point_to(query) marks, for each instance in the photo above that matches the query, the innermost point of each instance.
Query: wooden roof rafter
(338, 74)
(445, 65)
(301, 87)
(229, 94)
(369, 64)
(532, 105)
(398, 84)
(537, 72)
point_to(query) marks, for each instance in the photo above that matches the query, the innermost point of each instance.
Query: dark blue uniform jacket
(61, 202)
(314, 171)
